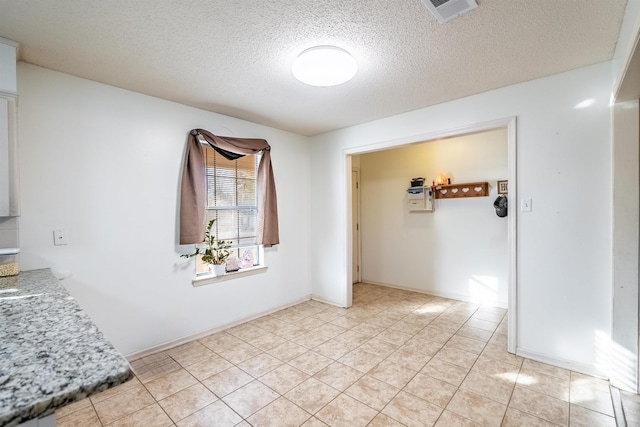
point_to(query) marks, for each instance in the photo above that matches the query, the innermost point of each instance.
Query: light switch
(60, 237)
(525, 205)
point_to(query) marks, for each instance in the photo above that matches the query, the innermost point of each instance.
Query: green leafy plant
(214, 251)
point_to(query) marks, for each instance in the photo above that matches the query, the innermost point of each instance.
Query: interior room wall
(625, 327)
(9, 232)
(627, 43)
(104, 164)
(563, 155)
(460, 249)
(626, 229)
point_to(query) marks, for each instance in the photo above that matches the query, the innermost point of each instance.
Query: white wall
(460, 249)
(104, 163)
(9, 232)
(627, 43)
(563, 164)
(625, 328)
(626, 229)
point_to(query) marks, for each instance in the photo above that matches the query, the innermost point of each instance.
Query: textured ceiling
(234, 56)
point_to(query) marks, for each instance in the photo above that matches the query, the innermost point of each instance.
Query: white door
(355, 220)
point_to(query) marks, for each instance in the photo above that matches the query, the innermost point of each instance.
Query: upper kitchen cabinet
(8, 58)
(9, 205)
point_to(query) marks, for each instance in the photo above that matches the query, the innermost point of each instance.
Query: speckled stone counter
(51, 353)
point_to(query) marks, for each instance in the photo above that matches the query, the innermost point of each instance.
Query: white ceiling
(234, 56)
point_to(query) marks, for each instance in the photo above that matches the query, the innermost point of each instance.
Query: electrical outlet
(60, 237)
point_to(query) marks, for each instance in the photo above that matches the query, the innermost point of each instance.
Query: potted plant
(215, 252)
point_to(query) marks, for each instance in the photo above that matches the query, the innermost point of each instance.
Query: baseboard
(448, 295)
(174, 343)
(562, 363)
(326, 301)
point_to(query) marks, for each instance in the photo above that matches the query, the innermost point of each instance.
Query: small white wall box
(420, 199)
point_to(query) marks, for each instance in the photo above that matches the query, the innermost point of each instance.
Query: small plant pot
(218, 269)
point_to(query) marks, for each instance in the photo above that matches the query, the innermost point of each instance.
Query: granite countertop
(51, 353)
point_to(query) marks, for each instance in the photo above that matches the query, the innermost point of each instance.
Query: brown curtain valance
(193, 189)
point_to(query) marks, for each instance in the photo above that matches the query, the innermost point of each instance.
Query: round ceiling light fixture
(324, 66)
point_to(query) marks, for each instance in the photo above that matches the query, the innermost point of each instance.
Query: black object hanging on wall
(501, 205)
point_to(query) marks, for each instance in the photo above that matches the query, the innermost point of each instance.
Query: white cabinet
(8, 72)
(9, 203)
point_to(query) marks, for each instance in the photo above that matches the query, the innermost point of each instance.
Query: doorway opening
(358, 253)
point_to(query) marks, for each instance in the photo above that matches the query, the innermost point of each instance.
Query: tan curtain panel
(193, 188)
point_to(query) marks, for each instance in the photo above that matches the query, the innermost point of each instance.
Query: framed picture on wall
(503, 187)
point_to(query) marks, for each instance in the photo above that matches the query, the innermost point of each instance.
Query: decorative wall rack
(469, 189)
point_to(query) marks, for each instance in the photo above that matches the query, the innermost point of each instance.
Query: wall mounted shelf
(469, 189)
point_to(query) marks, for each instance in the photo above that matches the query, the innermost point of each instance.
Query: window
(231, 199)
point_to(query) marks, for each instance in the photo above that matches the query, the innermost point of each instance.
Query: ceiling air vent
(446, 10)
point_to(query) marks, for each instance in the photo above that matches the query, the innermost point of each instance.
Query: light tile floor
(631, 407)
(396, 358)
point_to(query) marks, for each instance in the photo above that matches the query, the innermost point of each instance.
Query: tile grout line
(386, 329)
(350, 385)
(200, 382)
(618, 408)
(96, 412)
(474, 363)
(361, 317)
(157, 402)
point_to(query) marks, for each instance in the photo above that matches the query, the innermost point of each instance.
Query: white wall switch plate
(60, 237)
(525, 205)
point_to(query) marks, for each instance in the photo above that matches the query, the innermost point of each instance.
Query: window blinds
(232, 196)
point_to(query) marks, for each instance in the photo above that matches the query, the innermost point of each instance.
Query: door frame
(355, 201)
(510, 123)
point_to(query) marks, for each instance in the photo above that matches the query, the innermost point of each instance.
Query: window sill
(206, 279)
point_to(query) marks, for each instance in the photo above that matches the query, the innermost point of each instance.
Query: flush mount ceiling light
(324, 66)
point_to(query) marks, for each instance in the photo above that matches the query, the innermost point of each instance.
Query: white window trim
(207, 279)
